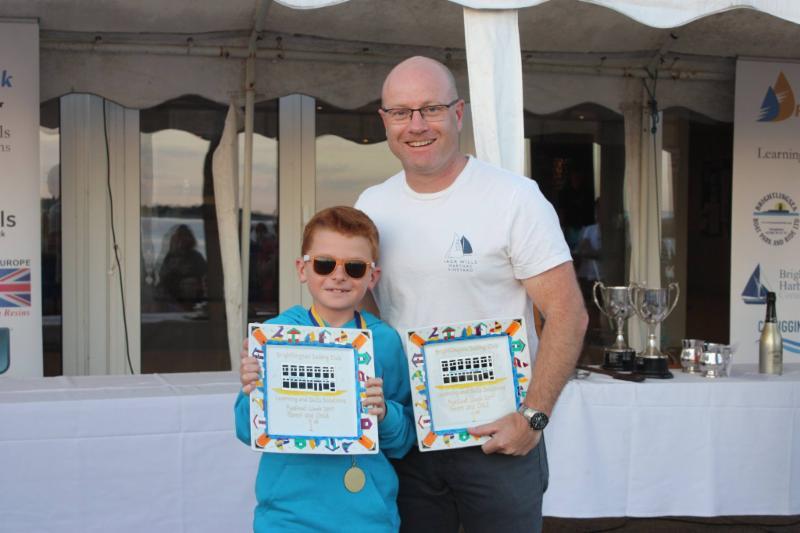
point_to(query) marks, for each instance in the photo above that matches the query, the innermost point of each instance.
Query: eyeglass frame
(339, 262)
(418, 109)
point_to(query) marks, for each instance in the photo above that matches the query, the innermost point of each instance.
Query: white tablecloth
(685, 446)
(158, 452)
(125, 454)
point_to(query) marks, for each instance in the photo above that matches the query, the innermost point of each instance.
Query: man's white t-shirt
(459, 254)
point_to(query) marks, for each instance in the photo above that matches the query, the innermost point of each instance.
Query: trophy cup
(653, 306)
(616, 306)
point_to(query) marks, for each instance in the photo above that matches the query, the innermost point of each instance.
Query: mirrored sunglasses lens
(355, 269)
(324, 265)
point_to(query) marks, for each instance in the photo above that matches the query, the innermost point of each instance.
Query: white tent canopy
(141, 54)
(540, 55)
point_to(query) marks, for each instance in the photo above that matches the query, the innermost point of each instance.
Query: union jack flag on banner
(15, 287)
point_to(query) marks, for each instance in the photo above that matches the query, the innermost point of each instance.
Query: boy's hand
(374, 398)
(249, 370)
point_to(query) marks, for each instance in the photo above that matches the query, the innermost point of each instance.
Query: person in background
(182, 277)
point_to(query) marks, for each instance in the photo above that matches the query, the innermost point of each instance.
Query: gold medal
(354, 478)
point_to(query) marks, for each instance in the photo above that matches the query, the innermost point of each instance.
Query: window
(697, 173)
(352, 153)
(183, 308)
(578, 160)
(50, 194)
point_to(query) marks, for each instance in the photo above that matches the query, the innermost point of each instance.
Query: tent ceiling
(335, 52)
(574, 26)
(140, 16)
(556, 25)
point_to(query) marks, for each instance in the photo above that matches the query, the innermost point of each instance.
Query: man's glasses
(430, 113)
(324, 265)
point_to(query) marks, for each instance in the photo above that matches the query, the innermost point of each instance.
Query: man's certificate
(309, 397)
(464, 375)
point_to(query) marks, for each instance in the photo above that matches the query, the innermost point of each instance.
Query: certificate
(464, 375)
(309, 397)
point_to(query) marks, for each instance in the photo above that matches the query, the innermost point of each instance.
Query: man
(464, 240)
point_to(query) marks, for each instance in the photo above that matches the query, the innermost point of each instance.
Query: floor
(732, 524)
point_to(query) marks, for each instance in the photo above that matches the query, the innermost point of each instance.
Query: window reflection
(263, 277)
(183, 304)
(698, 175)
(352, 153)
(578, 160)
(50, 194)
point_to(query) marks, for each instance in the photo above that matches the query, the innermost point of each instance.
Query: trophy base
(653, 367)
(620, 360)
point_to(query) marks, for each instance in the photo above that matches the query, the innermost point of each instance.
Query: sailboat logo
(755, 292)
(778, 103)
(459, 247)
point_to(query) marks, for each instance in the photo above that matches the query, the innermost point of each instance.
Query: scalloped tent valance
(331, 53)
(144, 53)
(655, 13)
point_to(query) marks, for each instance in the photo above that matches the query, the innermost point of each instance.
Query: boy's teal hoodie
(297, 492)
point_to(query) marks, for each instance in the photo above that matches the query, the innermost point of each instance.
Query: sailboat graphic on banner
(754, 292)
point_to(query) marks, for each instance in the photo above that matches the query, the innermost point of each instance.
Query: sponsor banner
(765, 245)
(20, 240)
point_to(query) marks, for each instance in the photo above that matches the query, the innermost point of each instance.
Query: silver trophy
(654, 306)
(616, 306)
(715, 361)
(691, 351)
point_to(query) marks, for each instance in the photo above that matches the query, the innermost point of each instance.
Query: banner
(765, 245)
(20, 234)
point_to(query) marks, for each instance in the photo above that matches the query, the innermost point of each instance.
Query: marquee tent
(507, 55)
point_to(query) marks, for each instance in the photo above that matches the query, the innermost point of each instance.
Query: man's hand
(510, 435)
(374, 398)
(249, 370)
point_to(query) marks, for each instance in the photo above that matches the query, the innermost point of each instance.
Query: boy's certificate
(464, 375)
(309, 397)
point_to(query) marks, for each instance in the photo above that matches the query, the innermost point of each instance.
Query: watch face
(539, 421)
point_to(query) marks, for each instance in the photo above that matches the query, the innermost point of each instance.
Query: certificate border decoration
(417, 338)
(261, 336)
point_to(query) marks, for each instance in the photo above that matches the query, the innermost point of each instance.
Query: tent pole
(249, 108)
(249, 111)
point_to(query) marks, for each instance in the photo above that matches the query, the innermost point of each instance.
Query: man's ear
(300, 265)
(460, 113)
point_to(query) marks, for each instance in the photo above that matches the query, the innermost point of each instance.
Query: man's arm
(558, 297)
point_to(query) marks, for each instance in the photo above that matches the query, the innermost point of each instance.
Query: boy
(298, 492)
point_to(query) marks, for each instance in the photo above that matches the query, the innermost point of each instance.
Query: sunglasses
(324, 265)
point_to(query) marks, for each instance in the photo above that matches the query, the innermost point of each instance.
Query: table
(123, 453)
(158, 452)
(686, 446)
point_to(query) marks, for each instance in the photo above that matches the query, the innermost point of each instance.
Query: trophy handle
(673, 285)
(594, 297)
(633, 290)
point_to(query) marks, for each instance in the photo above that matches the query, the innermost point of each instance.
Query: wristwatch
(536, 419)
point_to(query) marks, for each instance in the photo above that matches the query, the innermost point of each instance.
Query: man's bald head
(420, 68)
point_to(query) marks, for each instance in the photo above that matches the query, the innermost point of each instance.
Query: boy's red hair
(345, 220)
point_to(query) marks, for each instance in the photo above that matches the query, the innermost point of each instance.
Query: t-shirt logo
(459, 257)
(460, 247)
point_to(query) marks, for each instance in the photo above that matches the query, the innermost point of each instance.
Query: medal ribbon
(354, 477)
(317, 320)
